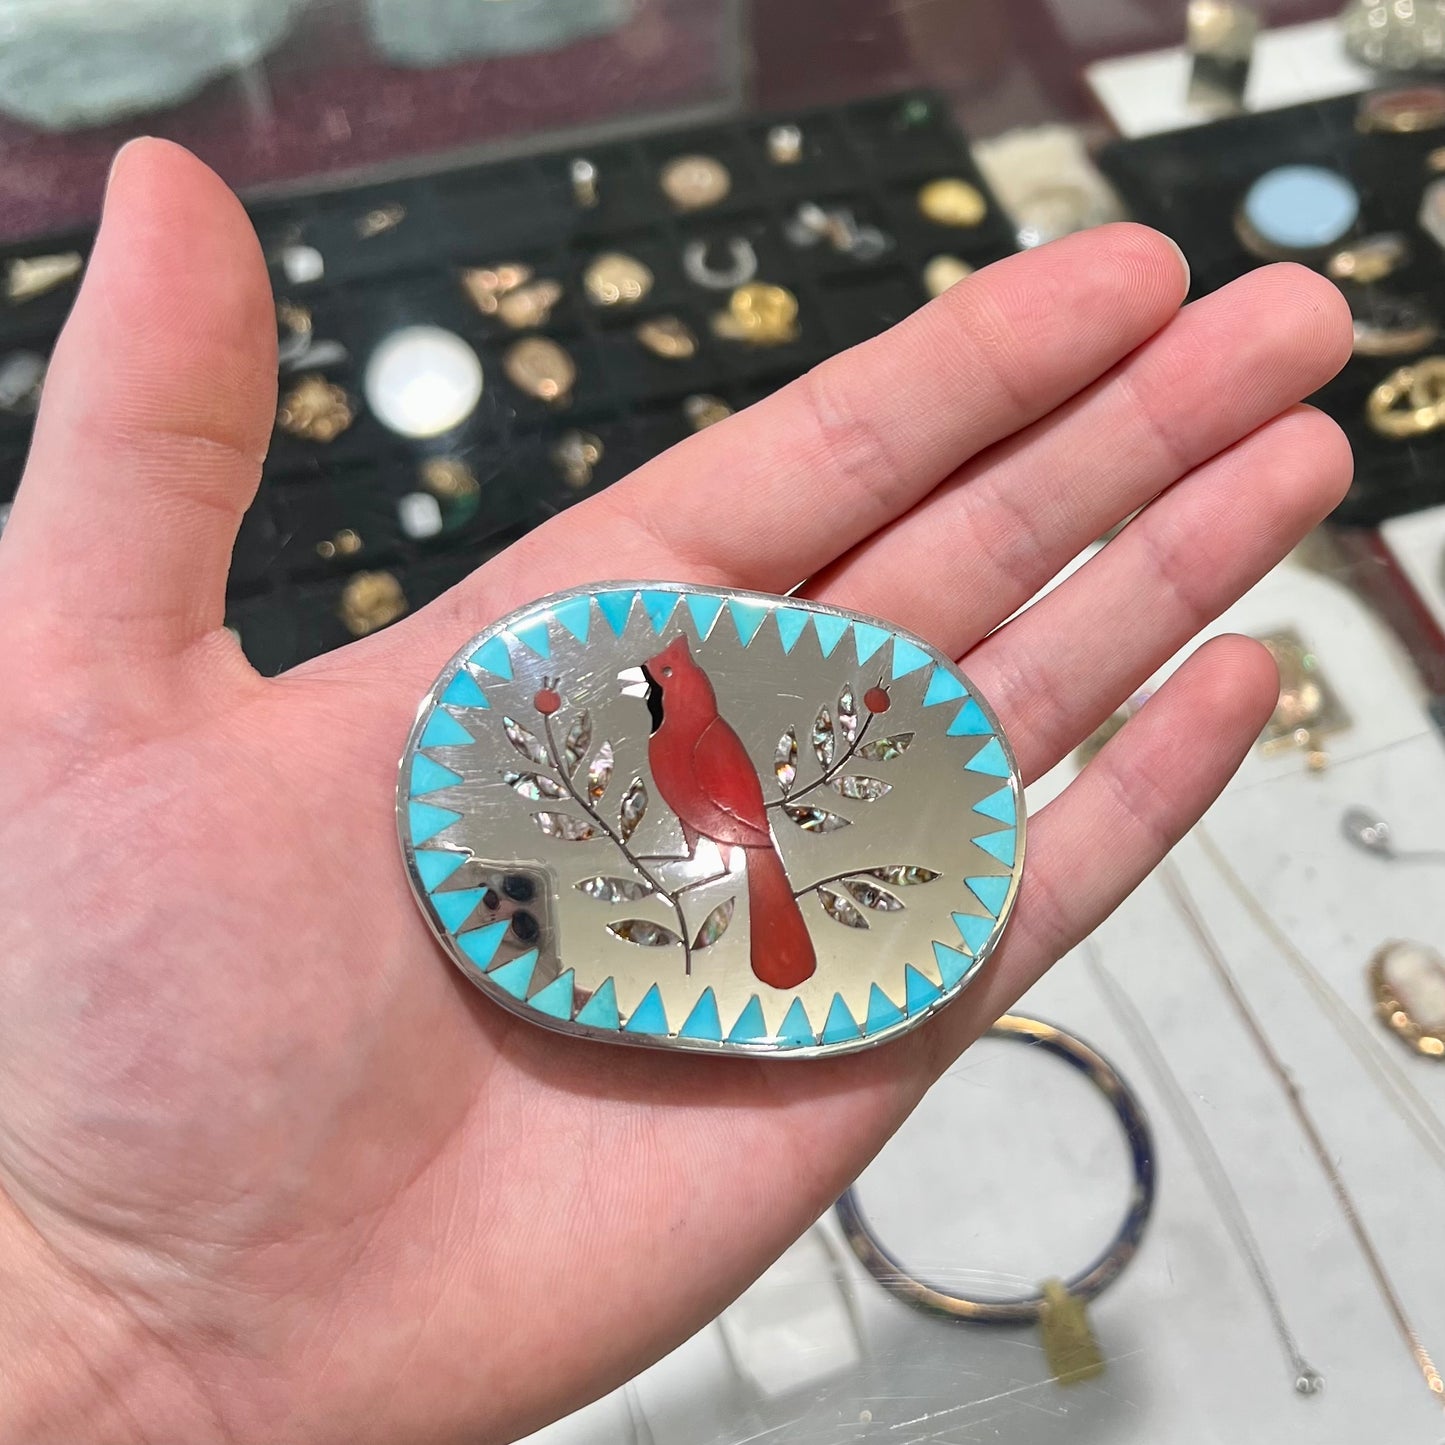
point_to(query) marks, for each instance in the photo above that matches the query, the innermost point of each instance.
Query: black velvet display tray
(285, 596)
(1189, 184)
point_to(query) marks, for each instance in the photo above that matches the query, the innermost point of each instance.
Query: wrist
(78, 1369)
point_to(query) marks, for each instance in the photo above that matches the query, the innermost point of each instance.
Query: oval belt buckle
(710, 820)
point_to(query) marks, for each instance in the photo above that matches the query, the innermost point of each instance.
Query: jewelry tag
(1069, 1344)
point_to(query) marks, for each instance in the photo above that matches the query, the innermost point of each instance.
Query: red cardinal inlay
(703, 773)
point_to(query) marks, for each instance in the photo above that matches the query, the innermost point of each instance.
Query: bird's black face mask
(654, 698)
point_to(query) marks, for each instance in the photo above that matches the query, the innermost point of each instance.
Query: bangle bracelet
(1090, 1282)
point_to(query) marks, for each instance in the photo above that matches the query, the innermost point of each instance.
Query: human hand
(270, 1169)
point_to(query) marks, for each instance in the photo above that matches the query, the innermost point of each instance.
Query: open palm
(270, 1169)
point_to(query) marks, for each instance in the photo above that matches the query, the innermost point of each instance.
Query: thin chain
(1307, 1379)
(1179, 894)
(1407, 1101)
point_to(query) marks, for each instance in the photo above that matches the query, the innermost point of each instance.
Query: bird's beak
(633, 682)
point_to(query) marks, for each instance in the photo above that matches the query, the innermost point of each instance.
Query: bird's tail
(782, 947)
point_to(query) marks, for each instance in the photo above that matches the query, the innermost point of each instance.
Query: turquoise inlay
(456, 907)
(615, 606)
(747, 618)
(882, 1011)
(659, 606)
(989, 759)
(750, 1028)
(830, 630)
(649, 1017)
(999, 805)
(436, 865)
(534, 634)
(556, 998)
(444, 731)
(575, 614)
(480, 945)
(921, 991)
(952, 965)
(600, 1011)
(704, 611)
(425, 821)
(791, 623)
(867, 639)
(974, 931)
(943, 686)
(428, 776)
(703, 1022)
(907, 658)
(462, 691)
(840, 1024)
(516, 977)
(970, 722)
(991, 892)
(796, 1029)
(1001, 845)
(494, 657)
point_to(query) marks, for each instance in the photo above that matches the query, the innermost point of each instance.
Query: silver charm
(742, 266)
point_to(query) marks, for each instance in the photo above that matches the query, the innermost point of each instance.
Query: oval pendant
(711, 820)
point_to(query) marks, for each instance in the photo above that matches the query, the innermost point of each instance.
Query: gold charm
(943, 272)
(450, 481)
(952, 202)
(1410, 401)
(616, 279)
(1369, 260)
(540, 368)
(293, 332)
(703, 411)
(315, 410)
(1308, 710)
(27, 277)
(370, 601)
(383, 218)
(692, 183)
(1408, 984)
(575, 454)
(529, 305)
(486, 285)
(760, 314)
(346, 543)
(669, 337)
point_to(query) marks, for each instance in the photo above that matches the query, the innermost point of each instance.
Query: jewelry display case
(1189, 1189)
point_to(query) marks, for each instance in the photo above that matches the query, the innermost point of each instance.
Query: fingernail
(116, 158)
(1183, 259)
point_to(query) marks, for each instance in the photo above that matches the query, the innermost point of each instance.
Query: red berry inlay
(547, 702)
(876, 699)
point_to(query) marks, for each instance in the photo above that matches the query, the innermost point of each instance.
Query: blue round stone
(1301, 208)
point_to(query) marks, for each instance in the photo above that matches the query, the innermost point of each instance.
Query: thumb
(156, 413)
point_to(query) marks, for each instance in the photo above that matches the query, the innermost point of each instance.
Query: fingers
(1169, 573)
(778, 491)
(981, 545)
(156, 415)
(1095, 843)
(771, 495)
